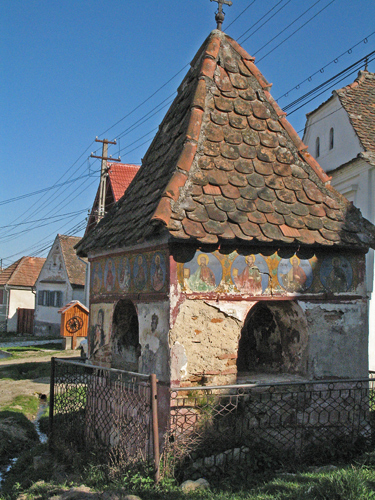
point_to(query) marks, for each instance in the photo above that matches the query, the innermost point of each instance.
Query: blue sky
(72, 69)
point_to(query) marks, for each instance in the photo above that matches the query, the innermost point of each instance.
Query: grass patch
(43, 348)
(26, 405)
(23, 371)
(17, 434)
(60, 472)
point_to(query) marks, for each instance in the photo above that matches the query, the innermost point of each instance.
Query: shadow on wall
(273, 339)
(125, 337)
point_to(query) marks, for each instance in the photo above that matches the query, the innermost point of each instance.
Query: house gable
(331, 116)
(61, 280)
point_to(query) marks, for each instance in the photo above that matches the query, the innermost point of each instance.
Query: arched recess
(273, 339)
(125, 345)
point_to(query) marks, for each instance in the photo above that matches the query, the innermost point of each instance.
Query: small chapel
(229, 258)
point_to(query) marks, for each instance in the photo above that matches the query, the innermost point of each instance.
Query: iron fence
(213, 428)
(101, 409)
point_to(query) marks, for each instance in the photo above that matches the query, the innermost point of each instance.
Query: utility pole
(103, 176)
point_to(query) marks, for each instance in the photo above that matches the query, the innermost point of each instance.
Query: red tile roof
(358, 99)
(120, 177)
(23, 272)
(227, 165)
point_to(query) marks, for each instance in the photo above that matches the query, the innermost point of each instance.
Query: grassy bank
(351, 482)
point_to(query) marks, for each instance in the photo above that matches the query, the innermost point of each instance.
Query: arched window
(317, 147)
(273, 339)
(331, 138)
(125, 336)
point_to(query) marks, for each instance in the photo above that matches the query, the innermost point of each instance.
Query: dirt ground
(9, 389)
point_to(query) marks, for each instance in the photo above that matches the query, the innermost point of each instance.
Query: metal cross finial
(219, 18)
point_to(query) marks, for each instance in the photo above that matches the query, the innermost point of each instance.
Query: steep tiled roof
(120, 177)
(75, 268)
(358, 99)
(227, 165)
(23, 272)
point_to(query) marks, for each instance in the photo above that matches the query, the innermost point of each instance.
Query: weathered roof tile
(226, 164)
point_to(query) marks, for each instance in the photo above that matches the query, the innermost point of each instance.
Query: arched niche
(273, 340)
(125, 345)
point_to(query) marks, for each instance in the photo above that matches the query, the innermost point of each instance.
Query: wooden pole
(51, 404)
(155, 425)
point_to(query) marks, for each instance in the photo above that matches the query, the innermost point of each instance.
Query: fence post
(51, 403)
(155, 425)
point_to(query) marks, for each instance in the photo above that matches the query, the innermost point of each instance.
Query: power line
(296, 31)
(239, 15)
(257, 22)
(321, 70)
(46, 218)
(148, 115)
(28, 195)
(330, 80)
(146, 100)
(324, 90)
(289, 25)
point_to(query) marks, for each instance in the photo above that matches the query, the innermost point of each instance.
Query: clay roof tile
(226, 164)
(23, 272)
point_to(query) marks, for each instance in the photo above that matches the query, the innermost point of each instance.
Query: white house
(17, 294)
(61, 280)
(340, 134)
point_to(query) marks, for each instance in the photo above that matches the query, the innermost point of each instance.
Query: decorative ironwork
(212, 428)
(219, 17)
(100, 409)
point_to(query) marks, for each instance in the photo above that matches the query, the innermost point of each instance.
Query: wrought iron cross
(219, 18)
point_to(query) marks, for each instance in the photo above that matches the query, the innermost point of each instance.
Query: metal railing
(102, 409)
(212, 428)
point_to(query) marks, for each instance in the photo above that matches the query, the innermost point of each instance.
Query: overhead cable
(296, 31)
(257, 22)
(321, 70)
(289, 25)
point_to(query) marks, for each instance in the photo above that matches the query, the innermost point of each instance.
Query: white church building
(340, 134)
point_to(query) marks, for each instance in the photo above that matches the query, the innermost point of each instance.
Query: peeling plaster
(179, 362)
(236, 310)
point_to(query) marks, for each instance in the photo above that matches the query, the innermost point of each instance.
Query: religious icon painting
(203, 273)
(96, 277)
(97, 337)
(140, 272)
(250, 274)
(336, 274)
(109, 275)
(294, 274)
(124, 274)
(158, 271)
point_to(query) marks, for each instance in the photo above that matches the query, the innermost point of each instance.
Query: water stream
(4, 469)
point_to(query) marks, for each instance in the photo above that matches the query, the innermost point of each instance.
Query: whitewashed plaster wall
(153, 322)
(52, 277)
(356, 181)
(153, 337)
(18, 298)
(337, 332)
(346, 143)
(50, 314)
(79, 294)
